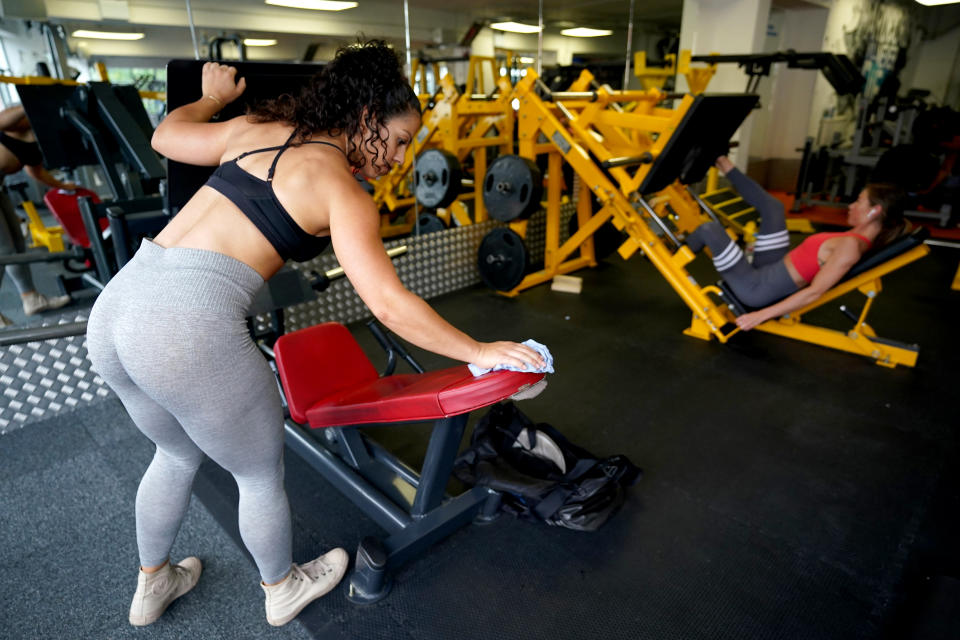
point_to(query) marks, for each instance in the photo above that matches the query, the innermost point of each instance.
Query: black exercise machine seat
(870, 260)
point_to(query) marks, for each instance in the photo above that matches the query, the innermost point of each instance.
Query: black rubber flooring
(790, 491)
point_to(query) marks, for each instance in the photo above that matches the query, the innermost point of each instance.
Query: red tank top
(804, 257)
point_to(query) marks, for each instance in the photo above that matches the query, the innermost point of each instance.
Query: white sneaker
(155, 591)
(304, 584)
(35, 302)
(5, 321)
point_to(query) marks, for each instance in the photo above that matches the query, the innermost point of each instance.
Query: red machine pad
(330, 382)
(63, 205)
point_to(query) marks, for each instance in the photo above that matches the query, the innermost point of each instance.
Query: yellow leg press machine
(639, 165)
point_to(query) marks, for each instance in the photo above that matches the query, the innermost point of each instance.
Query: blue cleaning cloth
(533, 344)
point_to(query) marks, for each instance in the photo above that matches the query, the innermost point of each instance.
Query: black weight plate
(428, 223)
(437, 178)
(502, 259)
(512, 188)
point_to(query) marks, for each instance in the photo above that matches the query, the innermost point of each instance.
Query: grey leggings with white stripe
(168, 335)
(766, 280)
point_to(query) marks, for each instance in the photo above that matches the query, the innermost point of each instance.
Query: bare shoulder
(847, 248)
(346, 196)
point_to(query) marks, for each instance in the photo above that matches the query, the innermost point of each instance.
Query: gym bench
(865, 276)
(331, 385)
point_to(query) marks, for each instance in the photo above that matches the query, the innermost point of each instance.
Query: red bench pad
(63, 205)
(330, 382)
(418, 396)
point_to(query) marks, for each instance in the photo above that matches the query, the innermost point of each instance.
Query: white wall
(23, 47)
(726, 26)
(791, 90)
(933, 66)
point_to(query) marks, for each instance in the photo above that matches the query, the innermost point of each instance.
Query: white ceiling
(431, 21)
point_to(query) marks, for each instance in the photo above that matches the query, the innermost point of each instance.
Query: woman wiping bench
(798, 277)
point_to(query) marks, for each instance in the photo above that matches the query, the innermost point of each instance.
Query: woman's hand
(723, 163)
(218, 82)
(509, 353)
(749, 320)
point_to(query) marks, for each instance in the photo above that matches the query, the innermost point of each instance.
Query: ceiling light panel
(106, 35)
(515, 27)
(316, 5)
(586, 32)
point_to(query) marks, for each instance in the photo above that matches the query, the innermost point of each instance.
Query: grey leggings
(11, 241)
(168, 334)
(766, 280)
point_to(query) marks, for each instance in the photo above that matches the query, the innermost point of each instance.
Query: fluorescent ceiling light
(933, 3)
(515, 27)
(319, 5)
(586, 32)
(259, 42)
(106, 35)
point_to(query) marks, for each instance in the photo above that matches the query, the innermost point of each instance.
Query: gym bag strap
(555, 499)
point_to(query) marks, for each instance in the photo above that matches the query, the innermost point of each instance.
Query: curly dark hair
(367, 76)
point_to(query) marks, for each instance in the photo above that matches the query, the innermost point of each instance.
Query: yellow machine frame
(861, 339)
(459, 124)
(656, 77)
(40, 234)
(594, 126)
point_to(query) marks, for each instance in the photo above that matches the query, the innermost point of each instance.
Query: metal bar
(703, 205)
(941, 243)
(573, 95)
(438, 464)
(40, 256)
(406, 35)
(351, 484)
(35, 334)
(626, 69)
(337, 272)
(644, 158)
(540, 39)
(193, 31)
(660, 223)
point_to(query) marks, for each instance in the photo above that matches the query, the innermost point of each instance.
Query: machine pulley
(512, 188)
(436, 178)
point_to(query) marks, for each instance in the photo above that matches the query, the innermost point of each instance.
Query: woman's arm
(11, 116)
(186, 134)
(40, 174)
(354, 229)
(844, 256)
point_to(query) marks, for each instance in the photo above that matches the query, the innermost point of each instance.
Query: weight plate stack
(512, 188)
(437, 178)
(502, 259)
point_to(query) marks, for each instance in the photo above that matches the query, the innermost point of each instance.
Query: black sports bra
(28, 153)
(256, 198)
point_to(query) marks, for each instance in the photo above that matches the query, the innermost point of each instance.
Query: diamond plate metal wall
(40, 379)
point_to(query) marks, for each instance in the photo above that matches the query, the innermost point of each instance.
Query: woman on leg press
(284, 188)
(779, 280)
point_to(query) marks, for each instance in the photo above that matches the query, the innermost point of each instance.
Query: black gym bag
(522, 460)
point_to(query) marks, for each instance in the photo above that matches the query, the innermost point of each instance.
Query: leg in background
(772, 239)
